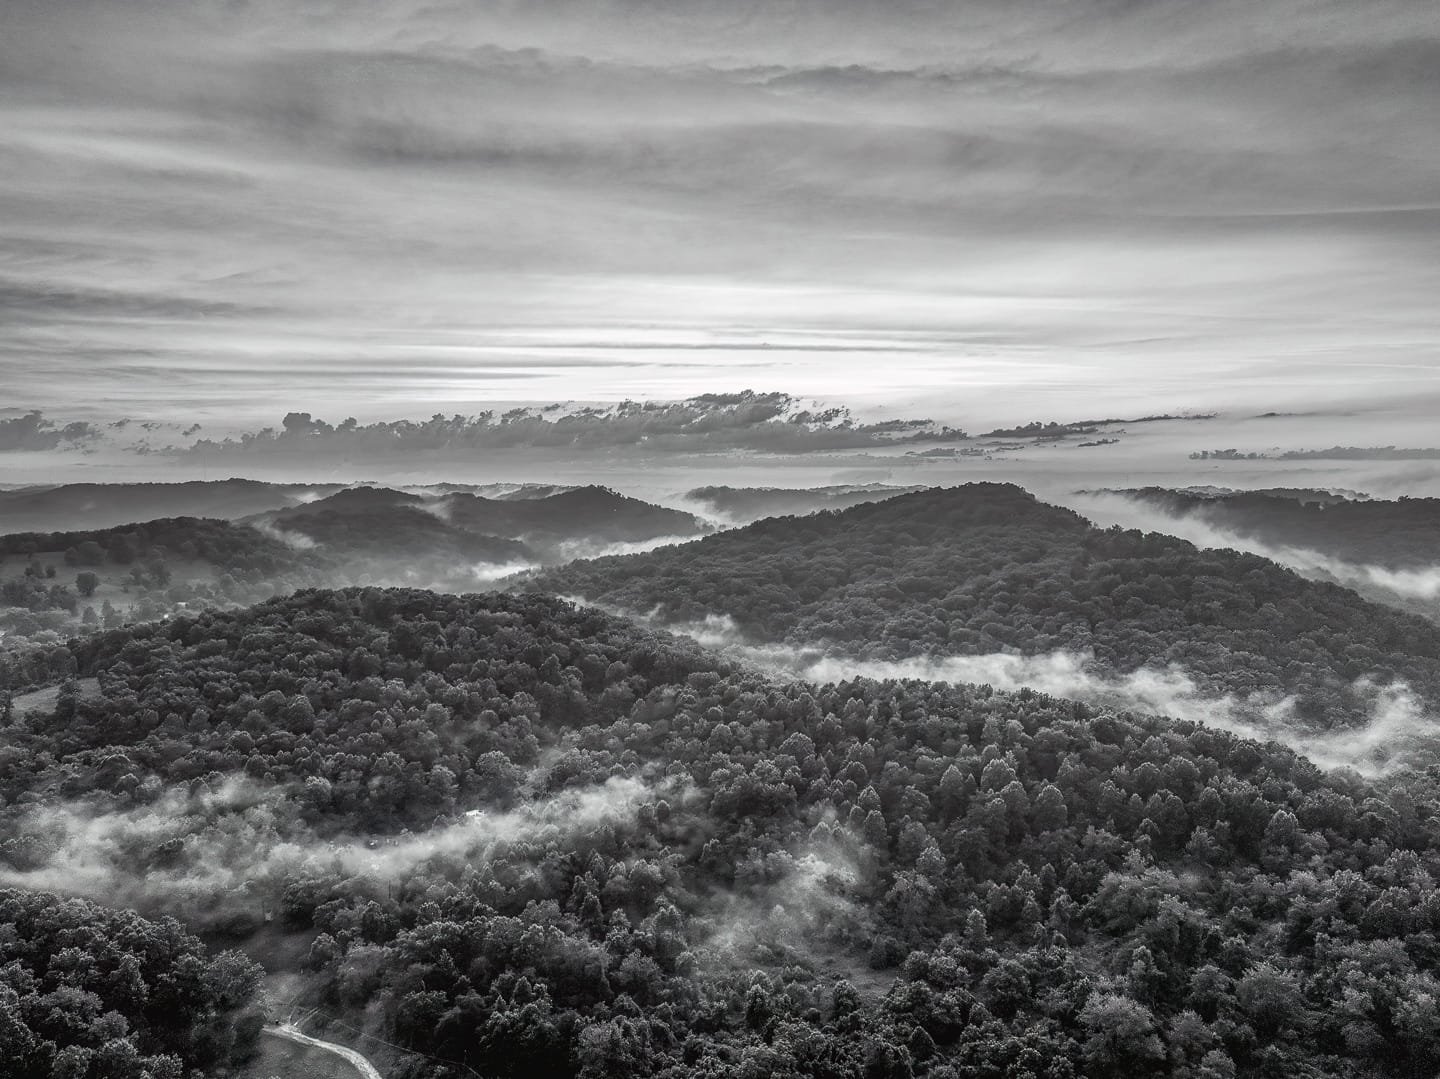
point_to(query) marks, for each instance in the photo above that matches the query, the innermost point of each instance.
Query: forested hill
(629, 857)
(988, 568)
(87, 991)
(1399, 534)
(596, 516)
(72, 506)
(380, 524)
(64, 582)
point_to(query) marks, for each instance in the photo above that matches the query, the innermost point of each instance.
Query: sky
(223, 211)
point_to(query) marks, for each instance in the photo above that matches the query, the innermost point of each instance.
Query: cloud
(32, 431)
(1397, 730)
(713, 422)
(216, 849)
(231, 206)
(1106, 509)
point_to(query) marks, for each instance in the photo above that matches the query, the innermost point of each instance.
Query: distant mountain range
(552, 515)
(451, 537)
(548, 525)
(74, 506)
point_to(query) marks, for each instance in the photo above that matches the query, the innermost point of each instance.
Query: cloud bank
(708, 423)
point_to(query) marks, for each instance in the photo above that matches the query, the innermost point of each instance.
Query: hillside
(533, 839)
(64, 582)
(383, 524)
(77, 506)
(88, 991)
(552, 523)
(1398, 535)
(591, 515)
(987, 569)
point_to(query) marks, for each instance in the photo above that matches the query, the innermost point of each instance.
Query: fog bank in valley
(1397, 731)
(1375, 582)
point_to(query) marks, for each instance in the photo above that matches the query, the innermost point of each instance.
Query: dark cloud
(709, 423)
(32, 431)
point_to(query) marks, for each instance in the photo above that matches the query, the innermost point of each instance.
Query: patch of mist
(438, 507)
(716, 518)
(295, 540)
(572, 550)
(1396, 732)
(192, 854)
(489, 572)
(791, 900)
(479, 831)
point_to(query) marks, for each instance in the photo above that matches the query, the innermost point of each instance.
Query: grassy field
(43, 700)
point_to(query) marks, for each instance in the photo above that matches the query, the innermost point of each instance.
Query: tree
(86, 582)
(1272, 999)
(1122, 1035)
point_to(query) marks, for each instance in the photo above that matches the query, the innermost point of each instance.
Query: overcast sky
(225, 210)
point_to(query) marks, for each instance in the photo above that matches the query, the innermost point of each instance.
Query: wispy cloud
(1056, 196)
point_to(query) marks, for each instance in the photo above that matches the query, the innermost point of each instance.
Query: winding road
(289, 1033)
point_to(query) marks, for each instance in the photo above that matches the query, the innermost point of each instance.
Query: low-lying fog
(1375, 582)
(195, 848)
(1397, 731)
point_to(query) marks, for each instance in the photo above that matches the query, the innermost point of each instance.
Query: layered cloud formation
(225, 207)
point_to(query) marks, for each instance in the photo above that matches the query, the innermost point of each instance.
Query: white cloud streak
(235, 843)
(1397, 730)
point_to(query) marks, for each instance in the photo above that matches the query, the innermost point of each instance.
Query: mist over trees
(1396, 534)
(543, 525)
(514, 836)
(866, 878)
(987, 568)
(748, 504)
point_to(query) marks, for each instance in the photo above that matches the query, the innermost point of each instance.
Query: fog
(212, 851)
(789, 899)
(489, 572)
(289, 537)
(1397, 730)
(1106, 508)
(569, 550)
